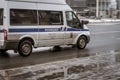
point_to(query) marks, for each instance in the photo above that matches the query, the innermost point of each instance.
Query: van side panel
(53, 7)
(43, 1)
(1, 38)
(2, 3)
(18, 32)
(2, 7)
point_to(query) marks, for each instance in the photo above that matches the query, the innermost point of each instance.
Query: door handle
(65, 28)
(61, 28)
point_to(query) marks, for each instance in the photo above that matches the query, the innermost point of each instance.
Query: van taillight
(5, 34)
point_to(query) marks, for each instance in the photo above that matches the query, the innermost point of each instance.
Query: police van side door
(50, 28)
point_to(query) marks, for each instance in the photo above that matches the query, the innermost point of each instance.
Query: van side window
(1, 16)
(72, 20)
(23, 17)
(50, 18)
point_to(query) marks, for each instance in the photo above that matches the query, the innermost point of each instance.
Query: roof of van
(43, 1)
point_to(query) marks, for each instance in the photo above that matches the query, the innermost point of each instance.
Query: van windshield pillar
(1, 16)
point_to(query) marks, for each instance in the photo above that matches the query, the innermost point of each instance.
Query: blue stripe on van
(1, 31)
(35, 30)
(44, 30)
(75, 29)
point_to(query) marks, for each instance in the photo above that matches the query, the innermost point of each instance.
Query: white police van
(25, 24)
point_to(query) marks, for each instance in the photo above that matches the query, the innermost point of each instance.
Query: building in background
(88, 7)
(79, 6)
(91, 4)
(104, 8)
(118, 9)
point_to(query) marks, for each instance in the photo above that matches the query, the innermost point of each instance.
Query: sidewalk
(98, 66)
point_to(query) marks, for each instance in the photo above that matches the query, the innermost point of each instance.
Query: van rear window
(1, 16)
(23, 17)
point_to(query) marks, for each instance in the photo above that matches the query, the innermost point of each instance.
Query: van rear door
(1, 28)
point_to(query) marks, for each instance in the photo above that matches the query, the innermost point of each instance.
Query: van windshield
(1, 16)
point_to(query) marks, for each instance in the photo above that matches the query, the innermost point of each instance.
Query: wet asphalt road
(104, 37)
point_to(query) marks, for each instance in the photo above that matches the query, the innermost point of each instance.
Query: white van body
(26, 21)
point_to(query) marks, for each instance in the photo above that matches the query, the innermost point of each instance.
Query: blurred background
(96, 9)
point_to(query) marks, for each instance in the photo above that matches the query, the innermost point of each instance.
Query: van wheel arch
(25, 43)
(29, 39)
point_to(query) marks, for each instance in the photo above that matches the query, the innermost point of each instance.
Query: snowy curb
(104, 20)
(40, 72)
(75, 69)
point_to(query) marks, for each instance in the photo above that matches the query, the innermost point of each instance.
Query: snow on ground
(103, 20)
(100, 66)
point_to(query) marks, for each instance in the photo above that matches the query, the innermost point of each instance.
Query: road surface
(104, 37)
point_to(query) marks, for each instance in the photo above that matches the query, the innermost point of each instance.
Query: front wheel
(82, 42)
(25, 48)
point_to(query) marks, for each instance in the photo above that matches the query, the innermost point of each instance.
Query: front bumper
(88, 38)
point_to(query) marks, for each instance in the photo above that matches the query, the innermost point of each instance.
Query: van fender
(76, 39)
(28, 36)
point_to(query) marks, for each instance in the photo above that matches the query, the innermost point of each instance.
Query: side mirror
(84, 22)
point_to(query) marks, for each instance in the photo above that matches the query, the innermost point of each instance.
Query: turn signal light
(5, 34)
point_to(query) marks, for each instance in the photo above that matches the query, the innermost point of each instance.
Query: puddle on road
(98, 66)
(109, 56)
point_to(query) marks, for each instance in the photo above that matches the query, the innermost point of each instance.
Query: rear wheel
(25, 48)
(56, 48)
(82, 42)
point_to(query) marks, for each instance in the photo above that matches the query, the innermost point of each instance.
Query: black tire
(25, 48)
(82, 42)
(3, 51)
(56, 48)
